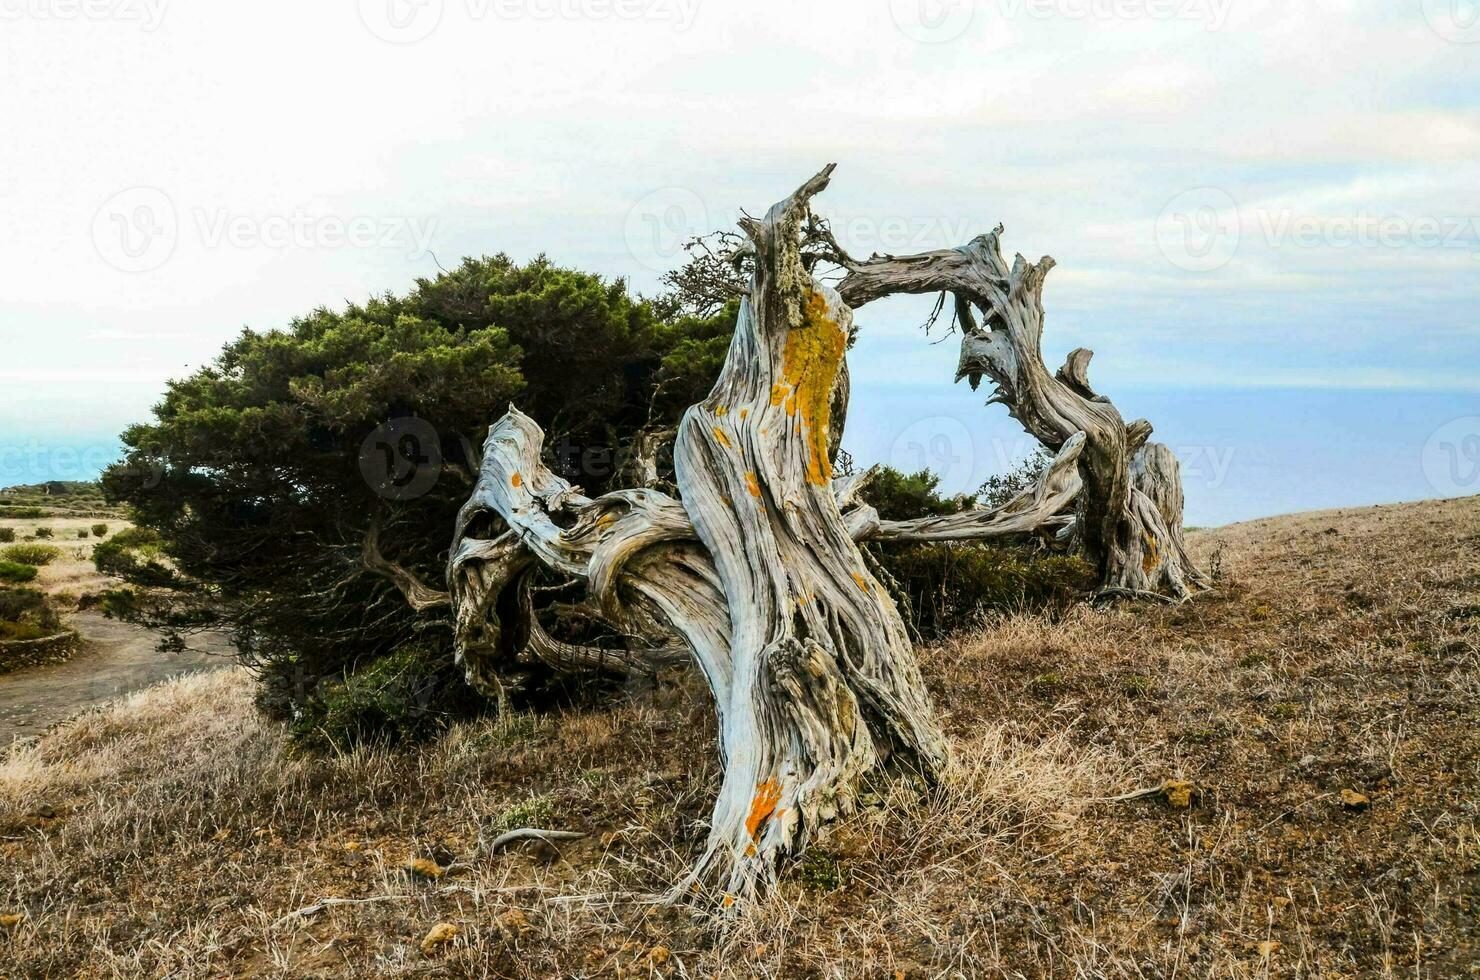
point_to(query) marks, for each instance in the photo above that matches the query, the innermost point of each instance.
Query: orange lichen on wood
(1150, 559)
(810, 362)
(767, 795)
(862, 582)
(753, 485)
(516, 480)
(724, 440)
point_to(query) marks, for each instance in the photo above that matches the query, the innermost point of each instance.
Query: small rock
(440, 934)
(1306, 761)
(514, 923)
(424, 868)
(1352, 800)
(1178, 793)
(45, 811)
(1267, 948)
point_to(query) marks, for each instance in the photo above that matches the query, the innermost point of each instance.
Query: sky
(1277, 196)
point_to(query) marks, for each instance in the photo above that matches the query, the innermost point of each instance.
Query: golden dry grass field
(1309, 734)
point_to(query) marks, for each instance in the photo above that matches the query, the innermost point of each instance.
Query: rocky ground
(1279, 779)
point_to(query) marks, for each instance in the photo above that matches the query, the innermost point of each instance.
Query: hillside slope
(1313, 724)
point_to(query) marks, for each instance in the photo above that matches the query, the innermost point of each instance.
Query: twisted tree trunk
(824, 682)
(1130, 529)
(755, 571)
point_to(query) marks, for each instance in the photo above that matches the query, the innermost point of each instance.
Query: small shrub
(133, 554)
(819, 871)
(26, 615)
(537, 811)
(7, 535)
(82, 532)
(139, 538)
(405, 696)
(100, 530)
(43, 532)
(15, 573)
(31, 554)
(944, 588)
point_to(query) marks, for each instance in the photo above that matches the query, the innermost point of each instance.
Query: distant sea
(1245, 452)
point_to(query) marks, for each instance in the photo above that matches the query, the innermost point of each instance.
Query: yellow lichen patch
(744, 412)
(1149, 560)
(814, 350)
(719, 434)
(862, 582)
(605, 521)
(516, 480)
(722, 411)
(752, 484)
(767, 795)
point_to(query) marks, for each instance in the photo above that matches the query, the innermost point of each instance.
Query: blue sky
(1240, 193)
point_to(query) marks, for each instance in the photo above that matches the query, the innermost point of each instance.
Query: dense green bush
(262, 472)
(82, 532)
(31, 554)
(403, 696)
(7, 535)
(100, 530)
(15, 573)
(43, 532)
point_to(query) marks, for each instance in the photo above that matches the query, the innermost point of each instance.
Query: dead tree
(754, 570)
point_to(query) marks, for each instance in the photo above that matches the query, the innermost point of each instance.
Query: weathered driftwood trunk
(824, 684)
(755, 571)
(1123, 525)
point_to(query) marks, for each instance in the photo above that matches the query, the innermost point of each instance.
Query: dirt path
(117, 659)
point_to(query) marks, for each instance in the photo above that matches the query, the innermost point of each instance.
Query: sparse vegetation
(7, 535)
(42, 533)
(1254, 863)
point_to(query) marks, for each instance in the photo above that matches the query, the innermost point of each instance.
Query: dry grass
(1340, 652)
